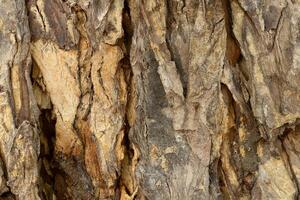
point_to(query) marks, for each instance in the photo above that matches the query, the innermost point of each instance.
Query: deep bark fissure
(244, 166)
(83, 64)
(127, 162)
(46, 157)
(228, 139)
(46, 124)
(233, 51)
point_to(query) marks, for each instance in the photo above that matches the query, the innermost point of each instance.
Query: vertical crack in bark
(247, 17)
(233, 51)
(23, 74)
(238, 157)
(279, 23)
(46, 122)
(245, 161)
(11, 92)
(127, 183)
(81, 120)
(175, 57)
(227, 169)
(288, 162)
(47, 138)
(102, 84)
(84, 66)
(41, 16)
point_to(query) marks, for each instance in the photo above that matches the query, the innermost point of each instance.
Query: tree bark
(149, 99)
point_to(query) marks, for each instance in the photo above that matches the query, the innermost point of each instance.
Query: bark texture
(149, 99)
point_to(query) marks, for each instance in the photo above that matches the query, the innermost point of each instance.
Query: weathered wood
(149, 99)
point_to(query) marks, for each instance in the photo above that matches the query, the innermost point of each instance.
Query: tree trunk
(149, 99)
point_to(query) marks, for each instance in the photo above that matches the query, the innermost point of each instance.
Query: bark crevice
(127, 182)
(233, 51)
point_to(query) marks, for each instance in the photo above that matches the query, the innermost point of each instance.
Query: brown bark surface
(149, 99)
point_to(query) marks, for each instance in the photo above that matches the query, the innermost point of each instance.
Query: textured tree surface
(149, 99)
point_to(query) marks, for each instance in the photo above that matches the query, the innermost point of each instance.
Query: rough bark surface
(149, 99)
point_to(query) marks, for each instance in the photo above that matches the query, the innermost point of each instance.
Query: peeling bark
(128, 99)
